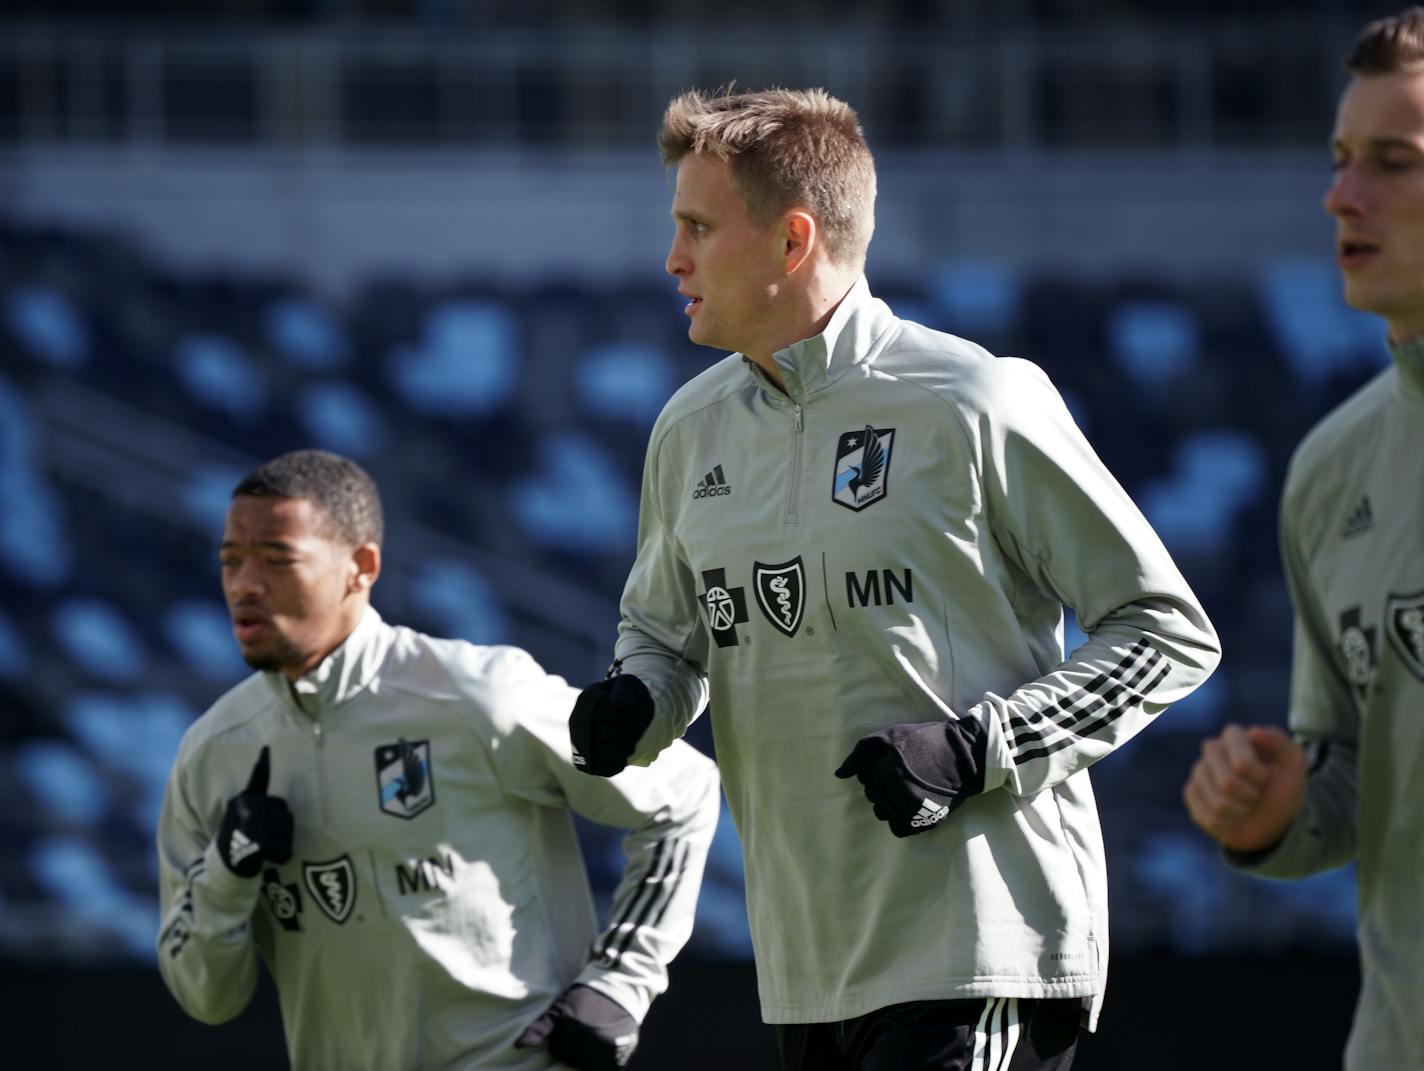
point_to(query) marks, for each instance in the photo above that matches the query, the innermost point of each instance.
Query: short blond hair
(787, 148)
(1390, 45)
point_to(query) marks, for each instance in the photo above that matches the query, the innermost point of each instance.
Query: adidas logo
(579, 760)
(929, 814)
(1361, 519)
(714, 483)
(240, 847)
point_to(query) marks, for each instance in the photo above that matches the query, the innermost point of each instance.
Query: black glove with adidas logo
(585, 1030)
(608, 720)
(917, 775)
(256, 827)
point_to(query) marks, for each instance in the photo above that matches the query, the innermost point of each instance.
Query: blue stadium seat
(978, 298)
(219, 374)
(1316, 331)
(457, 601)
(1215, 474)
(48, 325)
(466, 364)
(306, 335)
(98, 639)
(137, 735)
(76, 875)
(200, 632)
(578, 499)
(338, 415)
(625, 381)
(1154, 342)
(206, 497)
(68, 787)
(33, 547)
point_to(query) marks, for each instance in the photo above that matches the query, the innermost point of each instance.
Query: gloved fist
(608, 720)
(585, 1030)
(256, 827)
(917, 775)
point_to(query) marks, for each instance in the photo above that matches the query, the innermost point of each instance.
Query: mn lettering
(423, 875)
(879, 588)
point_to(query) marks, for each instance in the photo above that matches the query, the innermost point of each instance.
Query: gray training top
(890, 540)
(436, 901)
(1352, 521)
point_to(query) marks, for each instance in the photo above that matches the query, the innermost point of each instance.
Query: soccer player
(383, 817)
(1348, 782)
(862, 532)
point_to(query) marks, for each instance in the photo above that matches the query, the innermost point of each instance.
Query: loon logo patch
(333, 886)
(781, 593)
(863, 467)
(1404, 620)
(404, 779)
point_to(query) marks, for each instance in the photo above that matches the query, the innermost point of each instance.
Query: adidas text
(714, 483)
(929, 814)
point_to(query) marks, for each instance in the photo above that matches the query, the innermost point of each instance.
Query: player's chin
(1362, 295)
(265, 656)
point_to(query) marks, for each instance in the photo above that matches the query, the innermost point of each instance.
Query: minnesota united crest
(404, 778)
(1404, 621)
(863, 467)
(781, 593)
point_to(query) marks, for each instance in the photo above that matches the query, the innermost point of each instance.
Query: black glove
(608, 720)
(917, 775)
(585, 1030)
(256, 827)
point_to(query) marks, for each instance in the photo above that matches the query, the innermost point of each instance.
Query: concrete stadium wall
(332, 217)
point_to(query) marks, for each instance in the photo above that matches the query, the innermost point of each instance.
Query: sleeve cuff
(635, 999)
(227, 895)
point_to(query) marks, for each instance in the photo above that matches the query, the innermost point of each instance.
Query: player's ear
(799, 235)
(366, 562)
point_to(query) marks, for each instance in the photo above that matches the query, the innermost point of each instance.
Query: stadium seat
(457, 601)
(306, 335)
(465, 365)
(338, 415)
(98, 639)
(48, 325)
(978, 299)
(1154, 342)
(218, 374)
(200, 633)
(1318, 333)
(577, 499)
(625, 382)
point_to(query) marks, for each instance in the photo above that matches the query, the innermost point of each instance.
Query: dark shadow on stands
(1164, 1014)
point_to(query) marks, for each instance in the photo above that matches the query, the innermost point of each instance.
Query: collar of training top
(1409, 360)
(848, 339)
(343, 673)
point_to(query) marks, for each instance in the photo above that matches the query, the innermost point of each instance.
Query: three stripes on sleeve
(645, 908)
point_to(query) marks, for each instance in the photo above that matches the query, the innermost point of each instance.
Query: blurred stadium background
(429, 234)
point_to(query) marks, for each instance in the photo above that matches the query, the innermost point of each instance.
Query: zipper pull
(798, 418)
